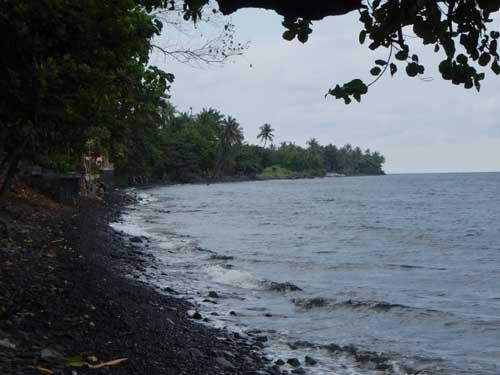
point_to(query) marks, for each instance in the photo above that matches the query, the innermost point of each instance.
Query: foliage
(459, 28)
(266, 134)
(184, 147)
(70, 70)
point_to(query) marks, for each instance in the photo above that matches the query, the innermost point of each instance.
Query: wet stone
(310, 361)
(193, 314)
(294, 362)
(279, 362)
(213, 294)
(299, 371)
(224, 363)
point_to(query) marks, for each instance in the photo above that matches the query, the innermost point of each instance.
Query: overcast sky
(419, 126)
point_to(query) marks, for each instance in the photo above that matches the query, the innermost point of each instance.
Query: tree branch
(311, 10)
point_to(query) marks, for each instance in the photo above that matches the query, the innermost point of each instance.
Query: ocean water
(398, 273)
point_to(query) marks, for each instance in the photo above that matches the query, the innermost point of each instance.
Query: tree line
(187, 147)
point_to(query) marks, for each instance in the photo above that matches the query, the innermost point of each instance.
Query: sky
(418, 126)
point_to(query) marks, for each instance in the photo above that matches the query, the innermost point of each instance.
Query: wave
(221, 257)
(387, 363)
(232, 277)
(310, 303)
(411, 266)
(321, 302)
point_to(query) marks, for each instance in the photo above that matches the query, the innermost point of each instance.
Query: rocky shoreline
(66, 306)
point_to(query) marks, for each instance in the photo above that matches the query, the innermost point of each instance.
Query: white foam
(234, 278)
(129, 227)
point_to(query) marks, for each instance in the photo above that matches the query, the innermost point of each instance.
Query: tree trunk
(12, 162)
(11, 171)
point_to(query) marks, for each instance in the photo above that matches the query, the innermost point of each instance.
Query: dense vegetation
(185, 147)
(75, 77)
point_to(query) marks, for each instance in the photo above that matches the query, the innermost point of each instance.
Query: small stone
(279, 362)
(274, 370)
(213, 294)
(310, 361)
(195, 353)
(48, 354)
(224, 363)
(135, 239)
(193, 314)
(232, 312)
(261, 338)
(7, 344)
(299, 371)
(294, 362)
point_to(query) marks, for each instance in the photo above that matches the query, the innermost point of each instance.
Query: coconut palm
(266, 134)
(231, 136)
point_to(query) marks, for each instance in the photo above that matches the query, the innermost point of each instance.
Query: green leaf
(76, 361)
(402, 55)
(302, 37)
(394, 68)
(381, 62)
(493, 46)
(462, 59)
(362, 36)
(484, 59)
(289, 35)
(412, 69)
(375, 71)
(495, 67)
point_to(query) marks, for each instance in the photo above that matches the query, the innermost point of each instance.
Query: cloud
(419, 126)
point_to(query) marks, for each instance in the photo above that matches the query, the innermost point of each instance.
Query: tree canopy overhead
(311, 10)
(459, 29)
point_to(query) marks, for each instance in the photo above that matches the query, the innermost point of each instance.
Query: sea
(395, 274)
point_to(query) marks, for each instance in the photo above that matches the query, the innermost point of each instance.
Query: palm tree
(266, 134)
(231, 136)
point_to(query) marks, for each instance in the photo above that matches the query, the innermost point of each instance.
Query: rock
(279, 362)
(193, 314)
(310, 361)
(229, 356)
(259, 345)
(274, 370)
(232, 313)
(282, 287)
(135, 239)
(299, 371)
(261, 338)
(50, 354)
(224, 363)
(294, 362)
(195, 353)
(213, 294)
(238, 335)
(7, 344)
